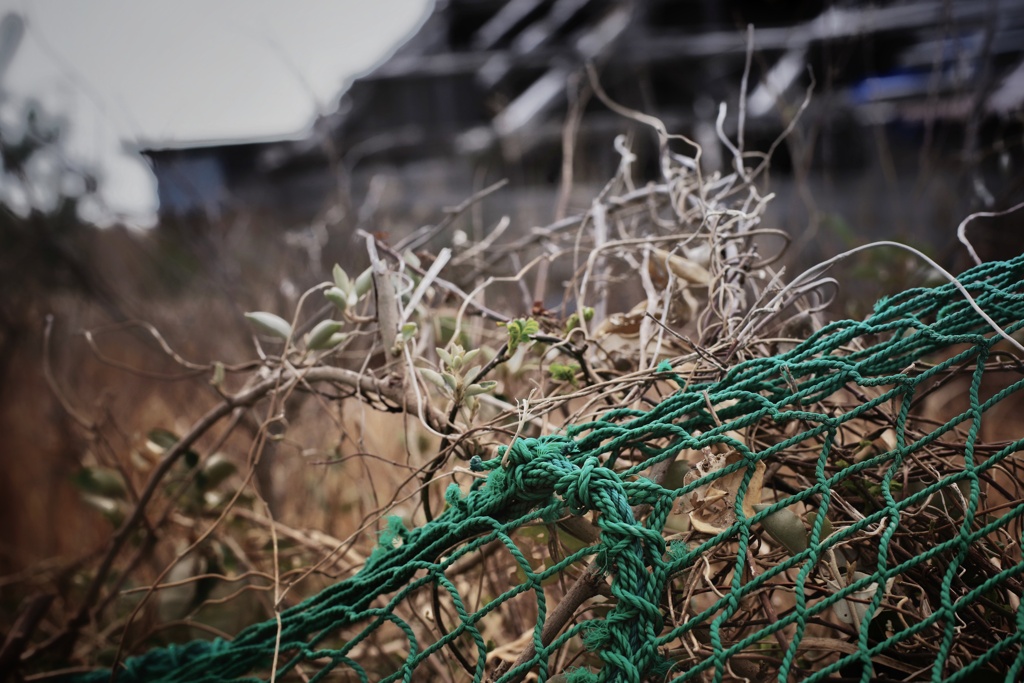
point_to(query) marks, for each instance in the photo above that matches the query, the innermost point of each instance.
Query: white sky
(130, 71)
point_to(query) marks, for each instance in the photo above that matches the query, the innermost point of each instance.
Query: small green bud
(407, 332)
(218, 374)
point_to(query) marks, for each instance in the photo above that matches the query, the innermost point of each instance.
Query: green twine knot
(588, 487)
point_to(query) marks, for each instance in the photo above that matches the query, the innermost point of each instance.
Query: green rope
(579, 472)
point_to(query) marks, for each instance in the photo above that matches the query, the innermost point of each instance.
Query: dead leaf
(713, 504)
(683, 268)
(623, 324)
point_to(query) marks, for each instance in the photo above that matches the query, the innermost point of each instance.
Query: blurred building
(913, 99)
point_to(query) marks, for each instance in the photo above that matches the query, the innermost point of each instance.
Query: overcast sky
(172, 71)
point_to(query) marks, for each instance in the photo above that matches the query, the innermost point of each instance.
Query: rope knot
(587, 488)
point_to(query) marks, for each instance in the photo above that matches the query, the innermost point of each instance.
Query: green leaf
(676, 476)
(101, 481)
(854, 609)
(519, 331)
(574, 320)
(160, 440)
(320, 336)
(270, 323)
(216, 469)
(341, 279)
(363, 283)
(411, 258)
(338, 297)
(480, 388)
(336, 339)
(564, 373)
(785, 527)
(111, 509)
(468, 357)
(826, 525)
(434, 378)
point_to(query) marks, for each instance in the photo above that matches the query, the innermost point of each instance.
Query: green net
(831, 527)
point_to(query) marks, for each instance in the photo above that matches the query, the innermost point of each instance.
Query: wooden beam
(508, 19)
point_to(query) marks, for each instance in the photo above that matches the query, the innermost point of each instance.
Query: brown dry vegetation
(327, 444)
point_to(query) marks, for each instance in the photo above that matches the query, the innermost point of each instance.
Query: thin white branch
(435, 269)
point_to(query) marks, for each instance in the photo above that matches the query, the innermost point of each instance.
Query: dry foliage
(366, 399)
